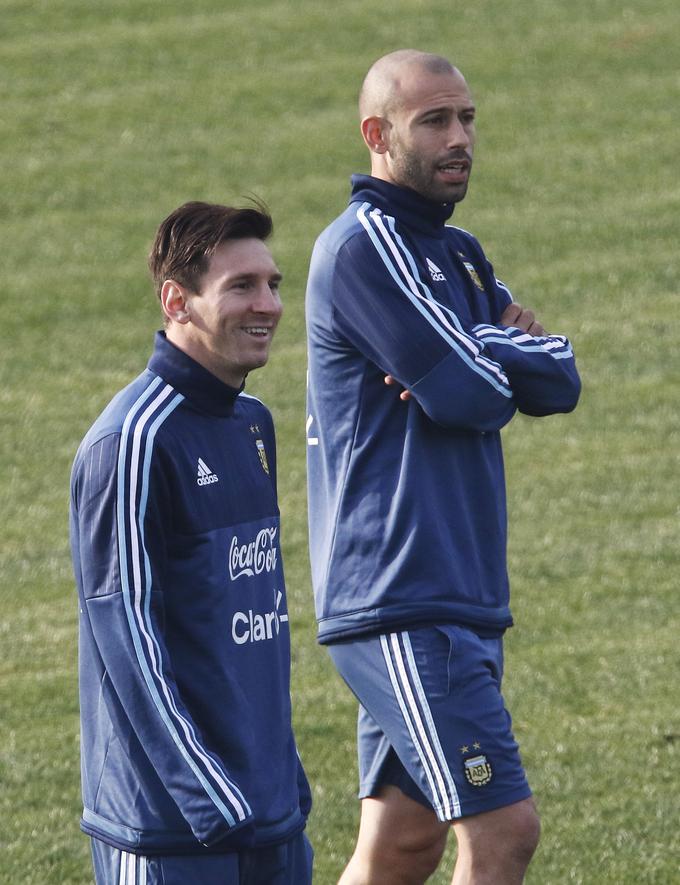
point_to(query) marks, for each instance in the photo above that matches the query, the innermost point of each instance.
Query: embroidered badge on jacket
(474, 276)
(263, 455)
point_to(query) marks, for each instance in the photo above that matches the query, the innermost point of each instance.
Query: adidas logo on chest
(205, 475)
(435, 272)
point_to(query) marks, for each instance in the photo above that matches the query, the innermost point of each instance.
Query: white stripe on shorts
(132, 869)
(420, 724)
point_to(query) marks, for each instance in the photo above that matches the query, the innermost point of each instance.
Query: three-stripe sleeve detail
(401, 266)
(417, 716)
(141, 425)
(557, 346)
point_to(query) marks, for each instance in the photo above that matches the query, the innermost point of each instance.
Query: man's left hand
(522, 318)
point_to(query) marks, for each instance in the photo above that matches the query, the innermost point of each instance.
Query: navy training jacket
(186, 737)
(407, 510)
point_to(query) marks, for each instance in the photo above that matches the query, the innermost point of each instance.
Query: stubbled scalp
(384, 83)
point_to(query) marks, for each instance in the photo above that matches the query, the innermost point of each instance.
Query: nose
(459, 135)
(267, 300)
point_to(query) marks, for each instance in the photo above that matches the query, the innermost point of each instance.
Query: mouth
(455, 170)
(257, 331)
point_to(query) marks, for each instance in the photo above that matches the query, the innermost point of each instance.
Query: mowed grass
(114, 113)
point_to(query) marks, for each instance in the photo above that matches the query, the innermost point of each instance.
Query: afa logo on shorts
(478, 770)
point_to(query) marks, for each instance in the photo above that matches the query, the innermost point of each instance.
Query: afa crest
(474, 276)
(478, 771)
(263, 455)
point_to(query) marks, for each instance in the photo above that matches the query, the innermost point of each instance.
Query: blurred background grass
(116, 112)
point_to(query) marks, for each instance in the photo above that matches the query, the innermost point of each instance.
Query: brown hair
(188, 237)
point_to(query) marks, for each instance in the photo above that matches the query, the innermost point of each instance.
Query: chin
(456, 195)
(452, 194)
(257, 363)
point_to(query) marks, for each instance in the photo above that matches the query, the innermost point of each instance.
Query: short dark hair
(189, 236)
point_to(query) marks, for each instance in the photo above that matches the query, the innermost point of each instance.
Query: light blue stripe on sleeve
(500, 383)
(128, 581)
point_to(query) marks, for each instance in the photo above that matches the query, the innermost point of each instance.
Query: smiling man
(190, 772)
(406, 487)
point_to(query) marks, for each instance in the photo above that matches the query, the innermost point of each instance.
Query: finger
(524, 321)
(389, 379)
(528, 319)
(511, 313)
(536, 329)
(405, 395)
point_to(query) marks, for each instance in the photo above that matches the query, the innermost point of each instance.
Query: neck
(177, 335)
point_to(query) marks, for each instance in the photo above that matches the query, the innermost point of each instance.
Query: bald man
(418, 356)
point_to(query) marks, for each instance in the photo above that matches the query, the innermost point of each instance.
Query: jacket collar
(407, 205)
(203, 390)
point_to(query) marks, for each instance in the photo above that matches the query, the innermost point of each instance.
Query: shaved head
(385, 82)
(418, 122)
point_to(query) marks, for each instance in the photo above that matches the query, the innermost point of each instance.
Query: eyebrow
(230, 280)
(447, 109)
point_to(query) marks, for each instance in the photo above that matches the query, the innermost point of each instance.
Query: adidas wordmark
(205, 474)
(435, 272)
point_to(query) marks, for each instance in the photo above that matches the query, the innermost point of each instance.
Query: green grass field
(113, 113)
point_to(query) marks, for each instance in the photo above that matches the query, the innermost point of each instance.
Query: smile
(256, 330)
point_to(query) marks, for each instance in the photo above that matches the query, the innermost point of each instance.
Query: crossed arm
(513, 315)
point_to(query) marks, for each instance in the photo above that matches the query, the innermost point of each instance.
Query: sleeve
(542, 370)
(304, 790)
(120, 509)
(384, 310)
(268, 422)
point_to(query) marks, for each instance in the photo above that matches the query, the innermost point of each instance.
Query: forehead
(420, 90)
(248, 256)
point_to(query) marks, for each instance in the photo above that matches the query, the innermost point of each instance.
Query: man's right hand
(390, 381)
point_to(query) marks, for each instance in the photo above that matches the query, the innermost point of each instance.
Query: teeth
(256, 330)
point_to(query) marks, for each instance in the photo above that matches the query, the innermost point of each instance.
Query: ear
(174, 302)
(376, 134)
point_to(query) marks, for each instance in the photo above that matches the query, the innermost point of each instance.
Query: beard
(410, 170)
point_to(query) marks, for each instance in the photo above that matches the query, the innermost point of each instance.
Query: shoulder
(463, 238)
(135, 414)
(252, 403)
(253, 409)
(348, 248)
(347, 227)
(145, 394)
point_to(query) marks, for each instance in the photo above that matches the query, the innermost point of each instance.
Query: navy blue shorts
(287, 864)
(432, 720)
